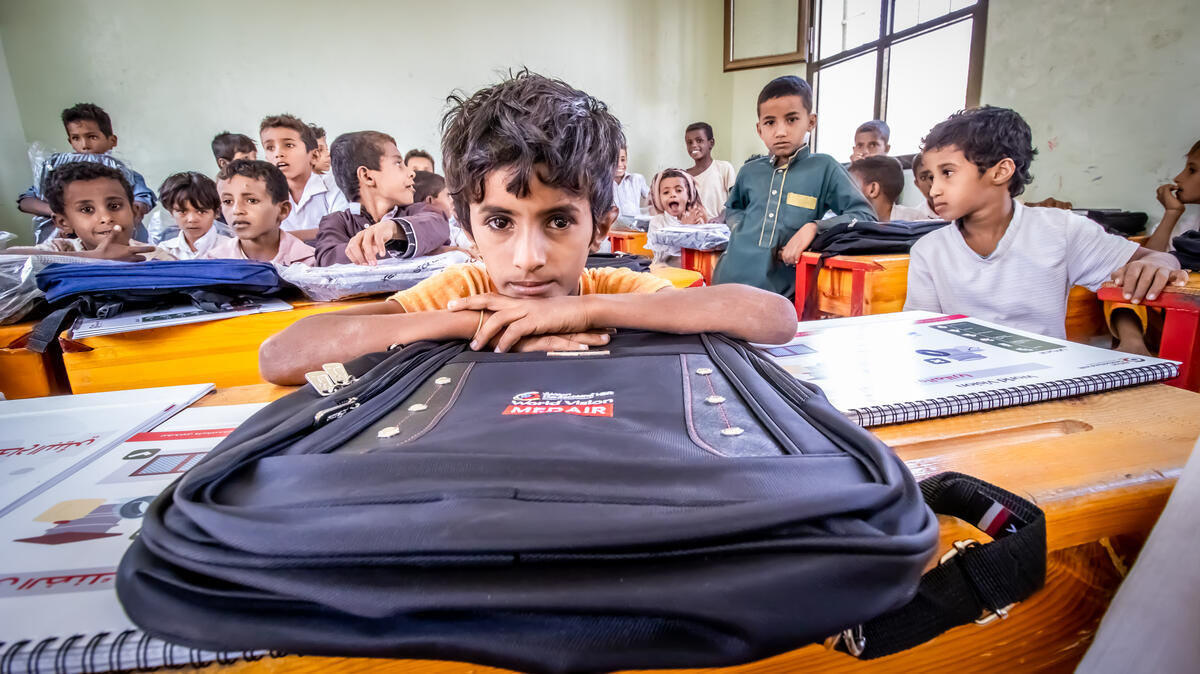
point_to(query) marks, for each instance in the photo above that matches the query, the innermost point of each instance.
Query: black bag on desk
(674, 501)
(637, 263)
(864, 237)
(1187, 250)
(102, 291)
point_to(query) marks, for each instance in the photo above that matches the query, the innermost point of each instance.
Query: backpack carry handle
(973, 582)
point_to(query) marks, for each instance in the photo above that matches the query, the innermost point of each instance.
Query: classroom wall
(15, 173)
(172, 75)
(1111, 89)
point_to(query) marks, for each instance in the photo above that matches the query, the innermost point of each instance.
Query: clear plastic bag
(344, 281)
(711, 236)
(6, 238)
(160, 226)
(19, 293)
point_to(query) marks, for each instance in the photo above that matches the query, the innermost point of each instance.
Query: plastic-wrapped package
(344, 281)
(711, 236)
(6, 238)
(19, 293)
(628, 223)
(160, 226)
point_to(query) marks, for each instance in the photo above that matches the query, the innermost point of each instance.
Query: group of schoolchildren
(308, 203)
(536, 175)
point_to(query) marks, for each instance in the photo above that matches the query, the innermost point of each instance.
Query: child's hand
(110, 249)
(576, 341)
(371, 244)
(799, 243)
(696, 215)
(1146, 278)
(513, 319)
(1167, 197)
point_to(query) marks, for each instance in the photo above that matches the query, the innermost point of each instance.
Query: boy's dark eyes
(498, 223)
(86, 209)
(560, 223)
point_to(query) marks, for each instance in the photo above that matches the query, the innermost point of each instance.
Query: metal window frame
(887, 39)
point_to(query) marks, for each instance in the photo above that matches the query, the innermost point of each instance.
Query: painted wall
(15, 173)
(173, 75)
(1111, 90)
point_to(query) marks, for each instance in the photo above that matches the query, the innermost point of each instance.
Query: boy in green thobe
(773, 209)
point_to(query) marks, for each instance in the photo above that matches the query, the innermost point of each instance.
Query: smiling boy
(776, 200)
(714, 177)
(291, 145)
(529, 163)
(92, 207)
(254, 198)
(1005, 262)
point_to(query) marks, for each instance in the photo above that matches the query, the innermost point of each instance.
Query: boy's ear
(887, 148)
(812, 121)
(871, 190)
(364, 178)
(285, 209)
(1002, 172)
(222, 162)
(60, 222)
(113, 139)
(600, 227)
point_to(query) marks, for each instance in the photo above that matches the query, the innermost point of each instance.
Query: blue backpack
(102, 291)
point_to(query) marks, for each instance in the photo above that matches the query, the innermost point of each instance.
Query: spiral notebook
(59, 549)
(894, 368)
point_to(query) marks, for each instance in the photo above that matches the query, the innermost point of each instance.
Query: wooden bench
(860, 285)
(1101, 472)
(1181, 327)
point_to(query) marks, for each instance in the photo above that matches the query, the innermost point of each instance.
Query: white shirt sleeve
(337, 201)
(1093, 254)
(922, 295)
(728, 177)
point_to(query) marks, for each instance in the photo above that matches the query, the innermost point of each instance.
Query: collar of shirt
(315, 185)
(800, 153)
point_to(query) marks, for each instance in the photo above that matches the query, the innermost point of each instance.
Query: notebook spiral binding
(979, 401)
(129, 650)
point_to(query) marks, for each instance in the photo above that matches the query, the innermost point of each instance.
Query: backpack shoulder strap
(974, 582)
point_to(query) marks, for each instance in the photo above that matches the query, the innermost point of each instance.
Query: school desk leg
(1181, 342)
(806, 290)
(858, 286)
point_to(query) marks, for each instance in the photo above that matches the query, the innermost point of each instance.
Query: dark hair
(189, 187)
(318, 131)
(524, 122)
(419, 153)
(277, 187)
(294, 123)
(426, 184)
(987, 136)
(788, 85)
(227, 144)
(77, 171)
(351, 150)
(877, 127)
(918, 159)
(884, 170)
(88, 112)
(699, 126)
(1195, 149)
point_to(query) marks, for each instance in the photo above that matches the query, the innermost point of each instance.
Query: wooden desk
(860, 285)
(1181, 327)
(1101, 473)
(224, 352)
(25, 374)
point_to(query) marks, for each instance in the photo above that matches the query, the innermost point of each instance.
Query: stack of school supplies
(80, 472)
(179, 314)
(894, 368)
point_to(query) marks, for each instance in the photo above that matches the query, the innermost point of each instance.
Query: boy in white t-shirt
(1005, 262)
(714, 177)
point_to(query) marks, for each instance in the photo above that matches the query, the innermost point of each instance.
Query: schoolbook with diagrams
(893, 368)
(63, 532)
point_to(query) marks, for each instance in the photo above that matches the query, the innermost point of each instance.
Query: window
(910, 63)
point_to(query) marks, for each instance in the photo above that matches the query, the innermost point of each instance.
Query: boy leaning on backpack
(538, 203)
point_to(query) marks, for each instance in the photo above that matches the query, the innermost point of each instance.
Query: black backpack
(672, 501)
(863, 237)
(637, 263)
